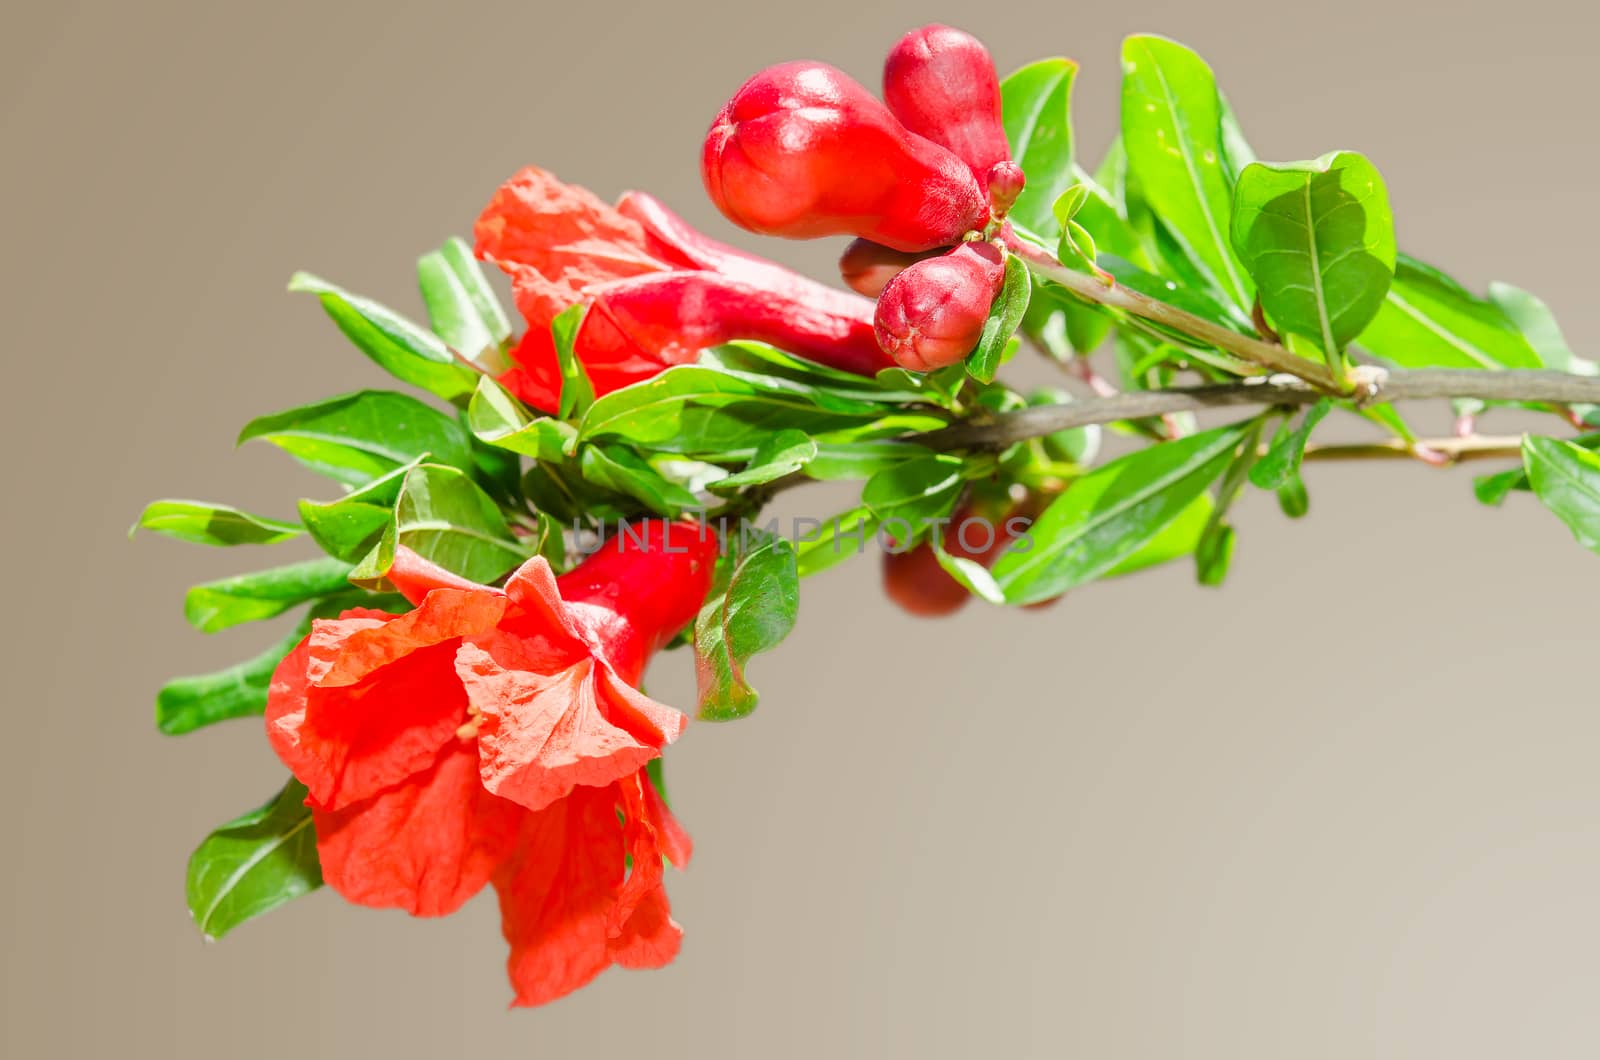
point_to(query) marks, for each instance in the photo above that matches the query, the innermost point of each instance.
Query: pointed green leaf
(905, 497)
(577, 392)
(1566, 479)
(1431, 321)
(1005, 315)
(212, 524)
(498, 419)
(619, 468)
(254, 863)
(1318, 239)
(462, 307)
(836, 540)
(750, 610)
(356, 438)
(1036, 106)
(1172, 132)
(409, 353)
(783, 454)
(1110, 513)
(260, 595)
(445, 517)
(1281, 461)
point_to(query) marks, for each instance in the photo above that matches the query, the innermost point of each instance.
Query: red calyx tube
(802, 150)
(941, 84)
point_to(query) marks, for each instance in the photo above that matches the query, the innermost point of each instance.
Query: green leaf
(409, 353)
(1431, 321)
(1493, 489)
(1535, 322)
(1318, 239)
(445, 517)
(971, 575)
(577, 392)
(1292, 498)
(349, 527)
(254, 863)
(1214, 550)
(619, 468)
(1172, 132)
(461, 306)
(498, 419)
(853, 460)
(817, 552)
(699, 410)
(252, 597)
(212, 524)
(912, 493)
(1036, 106)
(750, 610)
(188, 703)
(783, 454)
(356, 438)
(1281, 461)
(1566, 479)
(1111, 512)
(1177, 539)
(1005, 314)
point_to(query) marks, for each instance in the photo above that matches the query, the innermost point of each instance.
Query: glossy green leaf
(853, 460)
(904, 498)
(410, 353)
(1036, 106)
(188, 703)
(498, 419)
(212, 524)
(254, 863)
(1534, 320)
(1281, 461)
(619, 468)
(1177, 540)
(1110, 513)
(971, 575)
(577, 392)
(462, 307)
(1566, 479)
(443, 516)
(1172, 132)
(260, 595)
(1318, 240)
(695, 409)
(1431, 321)
(750, 610)
(349, 527)
(356, 438)
(783, 454)
(1005, 315)
(836, 540)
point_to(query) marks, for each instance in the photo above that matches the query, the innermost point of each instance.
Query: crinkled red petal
(425, 845)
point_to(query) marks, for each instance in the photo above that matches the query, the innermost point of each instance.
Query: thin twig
(1011, 427)
(1117, 296)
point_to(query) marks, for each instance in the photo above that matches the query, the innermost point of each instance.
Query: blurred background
(1345, 806)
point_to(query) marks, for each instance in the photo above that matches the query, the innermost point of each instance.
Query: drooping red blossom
(498, 736)
(802, 150)
(941, 84)
(657, 291)
(932, 313)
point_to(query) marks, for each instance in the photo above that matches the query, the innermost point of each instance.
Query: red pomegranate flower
(658, 291)
(498, 735)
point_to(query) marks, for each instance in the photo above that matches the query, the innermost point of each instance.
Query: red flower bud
(867, 267)
(801, 150)
(941, 84)
(932, 313)
(1005, 183)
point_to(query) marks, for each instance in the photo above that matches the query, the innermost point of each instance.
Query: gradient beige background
(1345, 807)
